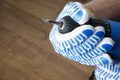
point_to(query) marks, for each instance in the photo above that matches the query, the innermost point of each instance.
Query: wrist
(103, 11)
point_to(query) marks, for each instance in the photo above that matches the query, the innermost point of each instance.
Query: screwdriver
(67, 24)
(52, 22)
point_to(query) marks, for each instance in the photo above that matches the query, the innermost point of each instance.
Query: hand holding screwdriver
(86, 44)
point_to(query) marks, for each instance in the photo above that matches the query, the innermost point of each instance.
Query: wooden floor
(25, 50)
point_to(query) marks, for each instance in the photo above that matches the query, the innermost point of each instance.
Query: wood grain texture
(25, 50)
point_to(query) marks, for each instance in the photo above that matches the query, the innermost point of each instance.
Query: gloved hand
(85, 44)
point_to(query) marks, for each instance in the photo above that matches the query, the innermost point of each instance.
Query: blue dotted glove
(85, 44)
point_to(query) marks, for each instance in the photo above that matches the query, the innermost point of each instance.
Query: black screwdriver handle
(68, 24)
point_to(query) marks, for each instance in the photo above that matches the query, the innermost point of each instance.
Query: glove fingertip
(99, 31)
(106, 59)
(88, 30)
(106, 44)
(85, 17)
(99, 28)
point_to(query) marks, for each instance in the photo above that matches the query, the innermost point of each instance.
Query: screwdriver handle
(69, 24)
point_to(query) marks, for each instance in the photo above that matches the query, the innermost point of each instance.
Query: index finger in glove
(76, 11)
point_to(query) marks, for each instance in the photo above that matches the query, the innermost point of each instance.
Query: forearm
(105, 9)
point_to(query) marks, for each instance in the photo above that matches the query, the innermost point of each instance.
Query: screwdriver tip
(46, 20)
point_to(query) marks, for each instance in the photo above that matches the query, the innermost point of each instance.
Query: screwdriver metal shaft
(52, 22)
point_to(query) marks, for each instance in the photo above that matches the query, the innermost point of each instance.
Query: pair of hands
(85, 44)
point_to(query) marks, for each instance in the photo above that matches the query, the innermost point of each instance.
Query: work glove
(85, 44)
